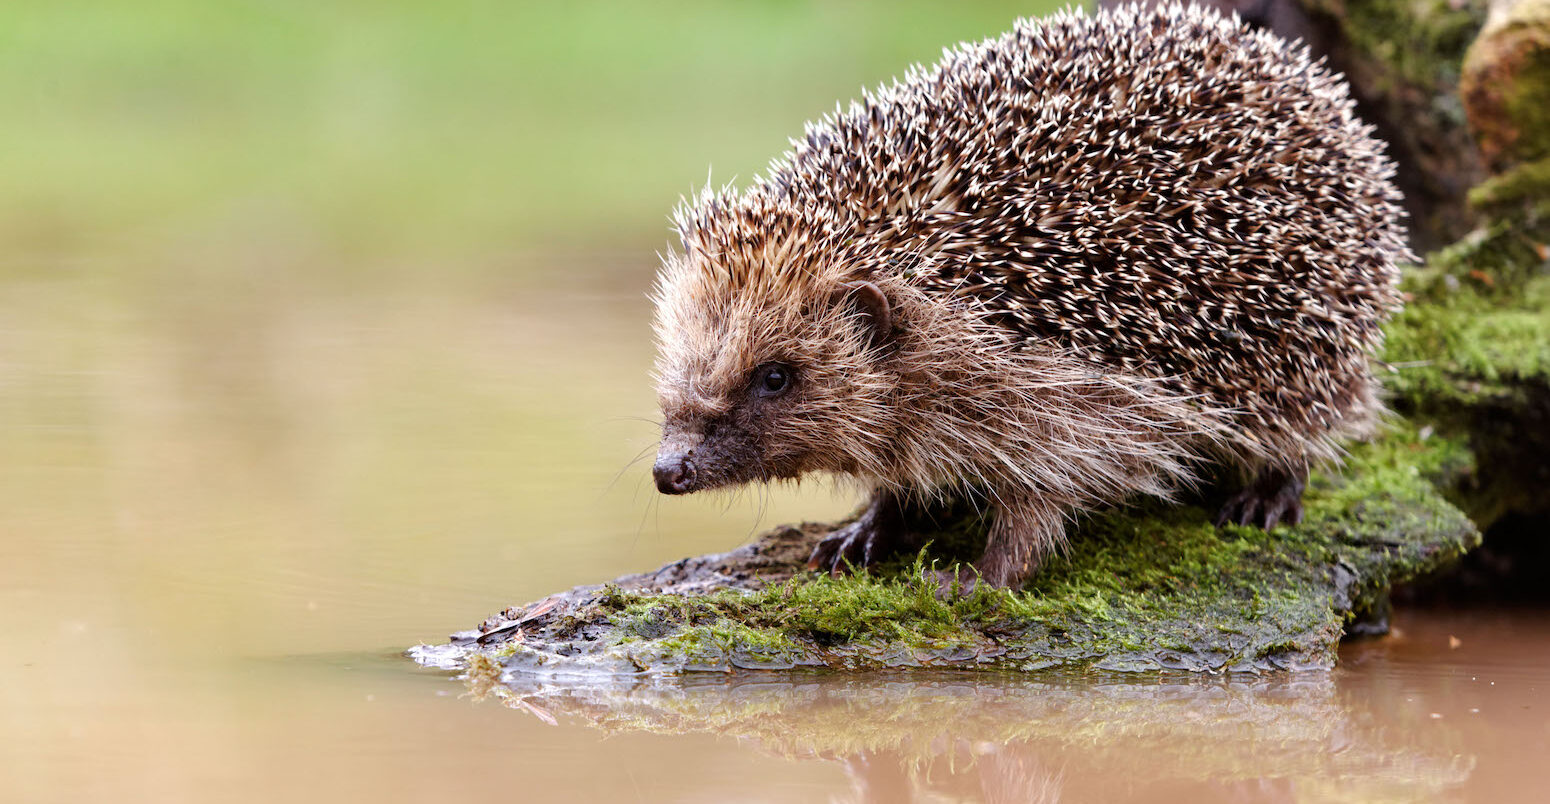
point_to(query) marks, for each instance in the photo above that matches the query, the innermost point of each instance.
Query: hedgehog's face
(757, 390)
(730, 435)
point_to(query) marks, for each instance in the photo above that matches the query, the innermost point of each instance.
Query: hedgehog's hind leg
(874, 535)
(1274, 496)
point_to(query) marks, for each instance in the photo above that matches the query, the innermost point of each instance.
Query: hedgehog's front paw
(858, 545)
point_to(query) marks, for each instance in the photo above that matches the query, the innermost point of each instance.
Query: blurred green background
(352, 143)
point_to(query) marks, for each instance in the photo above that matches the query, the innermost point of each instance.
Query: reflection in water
(995, 738)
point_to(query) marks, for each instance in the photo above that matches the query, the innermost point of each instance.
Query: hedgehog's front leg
(876, 534)
(1025, 530)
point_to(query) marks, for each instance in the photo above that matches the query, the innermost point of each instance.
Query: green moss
(1525, 183)
(1470, 357)
(1478, 323)
(819, 612)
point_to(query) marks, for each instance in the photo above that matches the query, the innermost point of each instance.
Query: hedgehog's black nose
(674, 474)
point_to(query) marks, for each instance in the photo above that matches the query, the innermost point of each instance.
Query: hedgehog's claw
(1274, 497)
(862, 543)
(856, 546)
(846, 547)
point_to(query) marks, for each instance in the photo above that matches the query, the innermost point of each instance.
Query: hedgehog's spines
(1126, 240)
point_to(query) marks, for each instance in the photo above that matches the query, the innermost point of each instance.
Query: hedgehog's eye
(771, 379)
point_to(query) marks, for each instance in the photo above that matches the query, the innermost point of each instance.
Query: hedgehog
(1096, 257)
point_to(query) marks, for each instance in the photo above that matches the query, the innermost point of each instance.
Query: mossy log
(1152, 586)
(1149, 587)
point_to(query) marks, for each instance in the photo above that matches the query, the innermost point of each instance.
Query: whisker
(641, 525)
(637, 459)
(653, 422)
(763, 494)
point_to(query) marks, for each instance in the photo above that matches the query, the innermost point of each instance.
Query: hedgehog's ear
(868, 303)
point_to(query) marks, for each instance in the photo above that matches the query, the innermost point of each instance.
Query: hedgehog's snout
(675, 470)
(674, 473)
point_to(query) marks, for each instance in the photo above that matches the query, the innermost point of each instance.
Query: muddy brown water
(222, 515)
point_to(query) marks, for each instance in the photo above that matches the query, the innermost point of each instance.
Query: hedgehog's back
(1163, 190)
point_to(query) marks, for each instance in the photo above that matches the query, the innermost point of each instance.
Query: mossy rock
(1144, 588)
(1478, 321)
(1470, 357)
(1506, 85)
